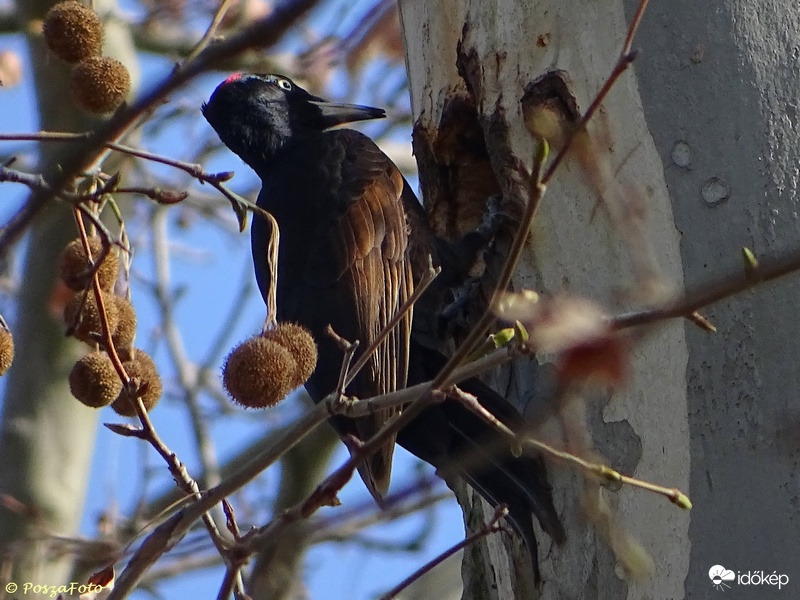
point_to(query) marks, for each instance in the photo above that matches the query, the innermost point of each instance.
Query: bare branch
(491, 527)
(712, 292)
(261, 33)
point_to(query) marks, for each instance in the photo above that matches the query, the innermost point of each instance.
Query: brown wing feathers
(373, 235)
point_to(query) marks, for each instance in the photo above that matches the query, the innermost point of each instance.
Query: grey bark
(721, 91)
(705, 125)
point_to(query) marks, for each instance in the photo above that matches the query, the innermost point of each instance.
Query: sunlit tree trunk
(610, 230)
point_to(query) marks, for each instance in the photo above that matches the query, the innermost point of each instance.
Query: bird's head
(258, 115)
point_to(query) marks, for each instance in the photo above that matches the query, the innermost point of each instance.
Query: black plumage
(353, 241)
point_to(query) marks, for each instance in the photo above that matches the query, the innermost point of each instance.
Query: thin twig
(148, 431)
(712, 292)
(228, 582)
(193, 169)
(368, 406)
(107, 334)
(349, 349)
(489, 528)
(634, 27)
(607, 473)
(45, 136)
(626, 57)
(178, 471)
(174, 528)
(211, 30)
(37, 183)
(674, 495)
(262, 33)
(187, 371)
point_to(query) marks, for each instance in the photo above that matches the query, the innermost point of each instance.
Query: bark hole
(549, 108)
(455, 173)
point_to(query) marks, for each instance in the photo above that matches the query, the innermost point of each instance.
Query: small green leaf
(503, 337)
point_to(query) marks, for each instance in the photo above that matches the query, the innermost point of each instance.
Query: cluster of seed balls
(263, 370)
(93, 380)
(74, 33)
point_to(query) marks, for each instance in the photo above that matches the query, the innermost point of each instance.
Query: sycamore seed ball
(6, 350)
(141, 368)
(74, 264)
(100, 84)
(83, 322)
(72, 31)
(94, 381)
(298, 341)
(259, 373)
(126, 326)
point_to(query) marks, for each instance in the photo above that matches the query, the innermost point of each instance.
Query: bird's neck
(259, 147)
(263, 148)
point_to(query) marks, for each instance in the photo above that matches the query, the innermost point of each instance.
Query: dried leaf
(574, 328)
(100, 584)
(601, 360)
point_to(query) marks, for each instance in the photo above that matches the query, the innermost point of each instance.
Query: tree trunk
(721, 92)
(642, 429)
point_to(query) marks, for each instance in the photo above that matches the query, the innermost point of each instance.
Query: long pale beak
(338, 114)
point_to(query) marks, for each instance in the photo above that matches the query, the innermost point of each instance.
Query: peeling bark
(492, 52)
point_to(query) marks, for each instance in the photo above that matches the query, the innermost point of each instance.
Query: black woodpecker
(353, 242)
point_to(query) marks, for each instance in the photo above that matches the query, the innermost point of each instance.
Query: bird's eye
(285, 84)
